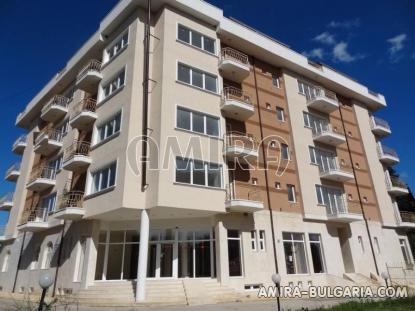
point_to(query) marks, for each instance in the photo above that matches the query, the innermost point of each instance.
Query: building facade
(208, 151)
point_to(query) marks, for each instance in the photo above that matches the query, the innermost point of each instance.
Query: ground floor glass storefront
(172, 253)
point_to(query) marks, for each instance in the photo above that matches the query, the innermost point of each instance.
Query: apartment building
(180, 145)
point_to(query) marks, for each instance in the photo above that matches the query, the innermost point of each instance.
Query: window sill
(96, 194)
(103, 101)
(198, 186)
(198, 88)
(196, 48)
(114, 57)
(103, 142)
(198, 134)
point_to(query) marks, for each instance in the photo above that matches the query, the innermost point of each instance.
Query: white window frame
(91, 175)
(317, 186)
(276, 78)
(191, 31)
(253, 237)
(206, 166)
(116, 77)
(291, 189)
(50, 201)
(119, 39)
(279, 110)
(292, 240)
(47, 256)
(205, 115)
(288, 152)
(96, 136)
(262, 241)
(203, 72)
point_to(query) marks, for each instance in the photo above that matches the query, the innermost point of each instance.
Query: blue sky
(372, 41)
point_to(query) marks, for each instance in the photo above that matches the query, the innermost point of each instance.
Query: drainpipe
(265, 169)
(59, 259)
(358, 193)
(18, 262)
(146, 79)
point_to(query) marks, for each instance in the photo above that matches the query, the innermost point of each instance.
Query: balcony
(48, 141)
(395, 185)
(6, 202)
(387, 155)
(76, 157)
(332, 171)
(234, 65)
(70, 206)
(36, 221)
(13, 173)
(241, 198)
(322, 100)
(407, 220)
(240, 147)
(42, 178)
(20, 145)
(380, 127)
(324, 133)
(236, 105)
(55, 109)
(84, 115)
(341, 211)
(89, 77)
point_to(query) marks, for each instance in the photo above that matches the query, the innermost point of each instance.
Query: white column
(142, 257)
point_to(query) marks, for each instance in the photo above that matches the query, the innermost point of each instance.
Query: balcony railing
(380, 122)
(241, 140)
(40, 214)
(407, 217)
(233, 93)
(85, 105)
(232, 54)
(386, 151)
(6, 198)
(242, 191)
(43, 172)
(393, 181)
(71, 199)
(93, 65)
(21, 140)
(343, 207)
(57, 100)
(51, 134)
(332, 165)
(78, 148)
(14, 167)
(324, 127)
(321, 92)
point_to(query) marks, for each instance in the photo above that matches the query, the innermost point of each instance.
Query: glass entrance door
(160, 260)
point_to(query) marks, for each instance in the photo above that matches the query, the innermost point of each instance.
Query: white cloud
(314, 53)
(325, 38)
(397, 43)
(345, 24)
(341, 54)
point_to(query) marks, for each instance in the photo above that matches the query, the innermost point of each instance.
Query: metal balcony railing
(51, 134)
(242, 191)
(332, 165)
(321, 92)
(380, 122)
(394, 181)
(39, 214)
(43, 172)
(14, 167)
(407, 216)
(93, 65)
(233, 93)
(340, 206)
(242, 140)
(20, 140)
(71, 199)
(57, 100)
(384, 150)
(85, 105)
(232, 54)
(8, 197)
(324, 127)
(78, 148)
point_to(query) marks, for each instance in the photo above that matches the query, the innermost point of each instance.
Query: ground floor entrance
(172, 253)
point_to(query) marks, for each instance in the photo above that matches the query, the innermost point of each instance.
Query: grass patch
(402, 304)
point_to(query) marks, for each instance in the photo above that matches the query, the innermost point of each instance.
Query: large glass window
(234, 253)
(332, 198)
(49, 203)
(291, 193)
(198, 173)
(109, 128)
(115, 84)
(196, 39)
(295, 254)
(197, 78)
(104, 178)
(326, 160)
(285, 153)
(116, 48)
(306, 89)
(317, 254)
(197, 122)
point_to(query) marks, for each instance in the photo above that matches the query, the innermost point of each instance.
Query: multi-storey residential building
(179, 145)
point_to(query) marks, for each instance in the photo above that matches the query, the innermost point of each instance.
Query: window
(56, 165)
(47, 256)
(109, 128)
(253, 240)
(35, 259)
(317, 124)
(49, 203)
(405, 253)
(291, 193)
(326, 160)
(104, 178)
(80, 258)
(376, 242)
(116, 48)
(261, 241)
(275, 80)
(280, 114)
(196, 39)
(234, 253)
(295, 254)
(197, 122)
(114, 85)
(200, 173)
(360, 241)
(197, 78)
(317, 254)
(63, 128)
(6, 260)
(306, 89)
(332, 198)
(285, 153)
